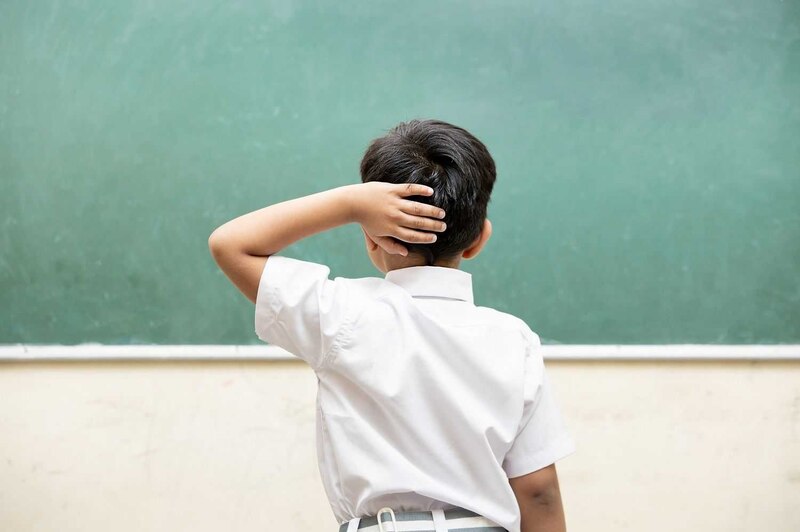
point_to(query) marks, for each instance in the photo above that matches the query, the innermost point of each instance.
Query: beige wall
(211, 446)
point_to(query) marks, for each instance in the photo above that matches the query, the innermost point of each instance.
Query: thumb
(392, 247)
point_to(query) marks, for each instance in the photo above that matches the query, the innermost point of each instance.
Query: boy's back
(425, 400)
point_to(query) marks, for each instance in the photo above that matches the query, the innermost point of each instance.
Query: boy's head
(461, 172)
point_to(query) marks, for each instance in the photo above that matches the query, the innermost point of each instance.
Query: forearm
(268, 230)
(543, 514)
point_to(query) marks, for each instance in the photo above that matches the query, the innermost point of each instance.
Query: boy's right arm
(240, 245)
(539, 499)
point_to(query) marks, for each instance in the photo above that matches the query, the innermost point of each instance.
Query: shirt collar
(433, 281)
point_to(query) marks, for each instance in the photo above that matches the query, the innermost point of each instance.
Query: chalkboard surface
(648, 156)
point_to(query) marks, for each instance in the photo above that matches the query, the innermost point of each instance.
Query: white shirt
(425, 400)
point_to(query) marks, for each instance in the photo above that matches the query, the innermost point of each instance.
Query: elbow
(546, 496)
(217, 243)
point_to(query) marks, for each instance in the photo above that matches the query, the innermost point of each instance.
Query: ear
(371, 244)
(477, 246)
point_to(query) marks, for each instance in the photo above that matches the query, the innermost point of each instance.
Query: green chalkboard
(648, 156)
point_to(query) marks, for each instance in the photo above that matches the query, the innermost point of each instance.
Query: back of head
(448, 159)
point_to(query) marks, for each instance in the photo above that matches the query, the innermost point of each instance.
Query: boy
(431, 411)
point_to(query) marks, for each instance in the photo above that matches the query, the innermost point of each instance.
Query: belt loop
(439, 522)
(352, 526)
(391, 513)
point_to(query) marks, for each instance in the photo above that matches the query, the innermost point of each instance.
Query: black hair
(448, 159)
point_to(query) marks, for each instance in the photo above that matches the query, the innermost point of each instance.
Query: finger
(414, 189)
(392, 247)
(422, 223)
(418, 208)
(414, 237)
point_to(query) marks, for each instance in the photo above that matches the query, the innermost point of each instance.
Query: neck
(395, 262)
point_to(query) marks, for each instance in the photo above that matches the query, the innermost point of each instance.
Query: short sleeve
(542, 438)
(299, 308)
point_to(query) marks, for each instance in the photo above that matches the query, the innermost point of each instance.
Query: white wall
(209, 446)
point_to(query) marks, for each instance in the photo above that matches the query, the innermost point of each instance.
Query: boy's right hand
(383, 212)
